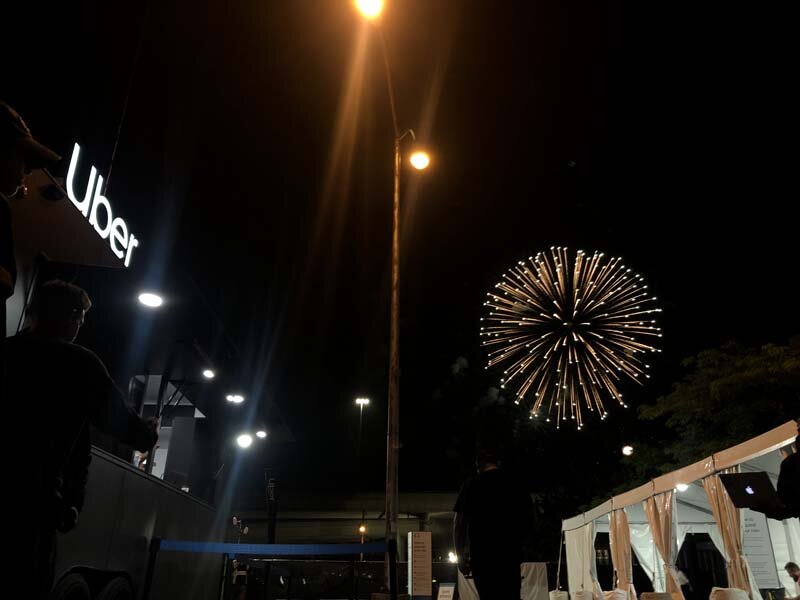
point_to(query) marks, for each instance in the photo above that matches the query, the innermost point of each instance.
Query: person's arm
(461, 529)
(8, 266)
(788, 487)
(461, 542)
(75, 475)
(109, 412)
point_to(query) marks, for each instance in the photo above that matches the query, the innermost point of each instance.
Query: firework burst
(569, 331)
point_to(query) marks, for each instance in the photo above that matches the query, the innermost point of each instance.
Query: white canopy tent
(689, 500)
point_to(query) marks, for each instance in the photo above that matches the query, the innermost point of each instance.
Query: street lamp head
(245, 440)
(369, 9)
(261, 434)
(209, 374)
(150, 299)
(362, 529)
(362, 401)
(235, 398)
(420, 160)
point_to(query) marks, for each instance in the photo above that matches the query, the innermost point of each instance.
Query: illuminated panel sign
(97, 208)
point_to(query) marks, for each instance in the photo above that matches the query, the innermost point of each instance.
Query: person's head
(58, 310)
(19, 152)
(793, 570)
(487, 459)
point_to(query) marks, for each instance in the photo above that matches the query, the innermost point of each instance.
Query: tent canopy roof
(757, 454)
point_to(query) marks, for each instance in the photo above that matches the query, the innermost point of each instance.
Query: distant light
(362, 528)
(261, 434)
(452, 557)
(150, 299)
(362, 401)
(370, 9)
(185, 488)
(235, 398)
(627, 450)
(209, 374)
(682, 487)
(420, 160)
(245, 440)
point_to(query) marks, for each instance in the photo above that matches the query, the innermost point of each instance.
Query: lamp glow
(209, 374)
(261, 434)
(150, 299)
(420, 160)
(245, 440)
(369, 9)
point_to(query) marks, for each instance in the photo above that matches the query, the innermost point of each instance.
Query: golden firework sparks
(568, 332)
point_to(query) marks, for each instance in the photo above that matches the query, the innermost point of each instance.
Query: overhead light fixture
(451, 557)
(261, 434)
(362, 401)
(370, 9)
(209, 374)
(245, 440)
(235, 398)
(420, 160)
(151, 299)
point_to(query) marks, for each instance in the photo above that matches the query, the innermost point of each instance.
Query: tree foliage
(728, 395)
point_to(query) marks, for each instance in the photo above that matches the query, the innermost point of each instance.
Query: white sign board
(757, 547)
(446, 591)
(420, 564)
(97, 208)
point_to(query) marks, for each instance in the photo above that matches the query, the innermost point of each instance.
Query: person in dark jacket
(789, 483)
(19, 154)
(787, 503)
(493, 512)
(60, 388)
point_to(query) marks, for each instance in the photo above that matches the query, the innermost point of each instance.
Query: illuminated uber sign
(96, 207)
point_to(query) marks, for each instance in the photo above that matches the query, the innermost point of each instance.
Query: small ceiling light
(150, 299)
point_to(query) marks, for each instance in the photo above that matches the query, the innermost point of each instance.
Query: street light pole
(371, 10)
(393, 419)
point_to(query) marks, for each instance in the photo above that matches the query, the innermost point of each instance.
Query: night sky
(256, 155)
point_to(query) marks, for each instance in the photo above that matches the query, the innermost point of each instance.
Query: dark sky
(251, 156)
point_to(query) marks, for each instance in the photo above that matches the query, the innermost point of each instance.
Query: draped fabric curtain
(645, 550)
(726, 515)
(659, 510)
(619, 535)
(581, 561)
